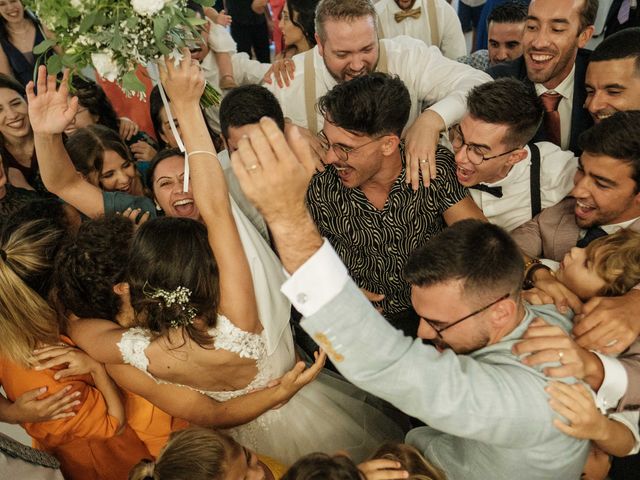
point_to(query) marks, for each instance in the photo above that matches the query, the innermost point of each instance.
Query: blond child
(206, 455)
(608, 266)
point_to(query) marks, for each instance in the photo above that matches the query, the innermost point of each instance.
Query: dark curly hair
(89, 265)
(92, 97)
(166, 254)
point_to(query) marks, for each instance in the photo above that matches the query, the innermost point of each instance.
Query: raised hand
(51, 110)
(182, 80)
(274, 173)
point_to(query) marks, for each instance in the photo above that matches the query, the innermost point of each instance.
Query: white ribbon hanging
(152, 68)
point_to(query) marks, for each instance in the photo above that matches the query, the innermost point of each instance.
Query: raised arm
(50, 111)
(184, 84)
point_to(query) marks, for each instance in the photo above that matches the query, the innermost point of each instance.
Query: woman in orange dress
(95, 442)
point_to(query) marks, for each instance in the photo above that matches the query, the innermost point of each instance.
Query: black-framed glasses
(480, 310)
(341, 151)
(473, 154)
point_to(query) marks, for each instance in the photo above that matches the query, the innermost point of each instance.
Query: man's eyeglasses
(341, 151)
(442, 329)
(474, 155)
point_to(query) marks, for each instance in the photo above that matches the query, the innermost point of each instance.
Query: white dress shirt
(557, 169)
(429, 76)
(451, 39)
(565, 106)
(245, 71)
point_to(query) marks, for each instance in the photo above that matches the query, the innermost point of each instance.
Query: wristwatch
(530, 268)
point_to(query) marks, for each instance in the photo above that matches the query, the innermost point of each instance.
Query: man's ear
(585, 36)
(517, 156)
(390, 144)
(503, 312)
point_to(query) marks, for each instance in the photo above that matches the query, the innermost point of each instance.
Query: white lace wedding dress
(327, 415)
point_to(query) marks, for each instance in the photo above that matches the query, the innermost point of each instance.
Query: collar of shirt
(565, 88)
(613, 228)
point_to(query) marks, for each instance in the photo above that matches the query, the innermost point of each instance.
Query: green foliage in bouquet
(116, 36)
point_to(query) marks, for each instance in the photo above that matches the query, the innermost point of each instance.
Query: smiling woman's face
(14, 114)
(167, 189)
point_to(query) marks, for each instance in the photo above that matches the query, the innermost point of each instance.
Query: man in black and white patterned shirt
(362, 203)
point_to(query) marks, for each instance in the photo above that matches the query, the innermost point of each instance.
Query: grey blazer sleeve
(444, 390)
(528, 237)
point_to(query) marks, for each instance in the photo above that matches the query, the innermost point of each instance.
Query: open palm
(50, 111)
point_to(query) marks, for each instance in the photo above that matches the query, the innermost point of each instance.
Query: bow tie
(495, 191)
(413, 13)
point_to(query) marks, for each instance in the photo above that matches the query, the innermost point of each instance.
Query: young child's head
(609, 266)
(200, 454)
(411, 460)
(320, 466)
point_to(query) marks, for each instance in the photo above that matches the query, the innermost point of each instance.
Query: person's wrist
(594, 370)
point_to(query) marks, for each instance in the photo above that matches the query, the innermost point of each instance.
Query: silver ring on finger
(252, 168)
(423, 161)
(560, 356)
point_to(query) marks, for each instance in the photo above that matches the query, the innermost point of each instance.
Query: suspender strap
(310, 97)
(534, 180)
(433, 23)
(310, 91)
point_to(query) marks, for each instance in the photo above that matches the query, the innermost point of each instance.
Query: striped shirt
(375, 244)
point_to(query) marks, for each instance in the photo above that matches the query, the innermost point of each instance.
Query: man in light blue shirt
(487, 413)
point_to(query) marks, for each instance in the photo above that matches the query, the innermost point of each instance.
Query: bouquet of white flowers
(116, 36)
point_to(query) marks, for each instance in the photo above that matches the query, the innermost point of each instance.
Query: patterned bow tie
(495, 191)
(413, 13)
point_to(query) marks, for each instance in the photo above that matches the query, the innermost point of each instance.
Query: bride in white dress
(240, 344)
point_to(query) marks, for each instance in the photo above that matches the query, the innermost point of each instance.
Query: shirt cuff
(450, 109)
(614, 384)
(318, 281)
(629, 420)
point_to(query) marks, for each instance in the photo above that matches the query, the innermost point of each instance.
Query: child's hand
(223, 19)
(575, 403)
(78, 362)
(382, 469)
(299, 376)
(143, 151)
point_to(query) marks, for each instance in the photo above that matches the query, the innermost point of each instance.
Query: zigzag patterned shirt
(375, 244)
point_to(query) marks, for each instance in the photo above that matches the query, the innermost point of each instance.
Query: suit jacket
(487, 412)
(553, 232)
(580, 118)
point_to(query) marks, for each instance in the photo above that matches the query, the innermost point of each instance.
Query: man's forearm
(296, 237)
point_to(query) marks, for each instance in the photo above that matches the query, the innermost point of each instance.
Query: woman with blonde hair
(206, 455)
(81, 441)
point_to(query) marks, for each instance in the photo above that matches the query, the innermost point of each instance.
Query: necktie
(551, 115)
(591, 234)
(413, 13)
(495, 191)
(623, 13)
